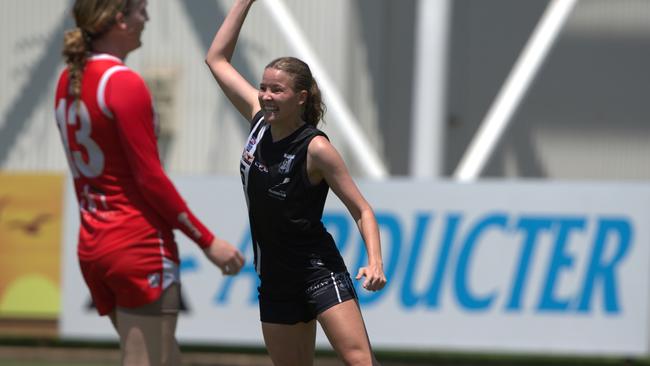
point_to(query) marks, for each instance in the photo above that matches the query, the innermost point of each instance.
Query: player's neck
(103, 45)
(280, 130)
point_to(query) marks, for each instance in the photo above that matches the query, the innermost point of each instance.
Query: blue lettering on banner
(561, 257)
(456, 254)
(531, 227)
(466, 299)
(600, 269)
(189, 264)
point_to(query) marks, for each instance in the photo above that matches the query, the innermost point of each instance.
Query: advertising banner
(526, 267)
(30, 245)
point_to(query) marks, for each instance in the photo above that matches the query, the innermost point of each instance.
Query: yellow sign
(31, 211)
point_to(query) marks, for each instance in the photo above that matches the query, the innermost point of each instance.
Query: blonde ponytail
(93, 18)
(76, 47)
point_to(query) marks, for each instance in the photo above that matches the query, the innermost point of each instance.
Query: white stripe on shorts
(336, 287)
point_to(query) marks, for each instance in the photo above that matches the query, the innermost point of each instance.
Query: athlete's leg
(344, 327)
(148, 339)
(113, 317)
(290, 344)
(147, 333)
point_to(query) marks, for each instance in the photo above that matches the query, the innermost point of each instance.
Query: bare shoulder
(318, 144)
(321, 150)
(324, 157)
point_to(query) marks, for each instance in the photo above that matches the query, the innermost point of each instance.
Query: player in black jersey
(287, 168)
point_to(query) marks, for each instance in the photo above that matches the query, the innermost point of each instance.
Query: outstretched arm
(238, 90)
(324, 162)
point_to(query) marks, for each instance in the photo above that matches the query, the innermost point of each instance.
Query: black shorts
(319, 296)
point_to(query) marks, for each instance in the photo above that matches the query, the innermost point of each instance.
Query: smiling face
(280, 103)
(134, 19)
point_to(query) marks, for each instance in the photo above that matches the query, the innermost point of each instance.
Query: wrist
(376, 263)
(206, 241)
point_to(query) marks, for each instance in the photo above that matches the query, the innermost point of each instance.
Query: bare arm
(324, 162)
(239, 91)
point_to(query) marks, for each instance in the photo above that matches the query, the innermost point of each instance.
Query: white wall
(208, 132)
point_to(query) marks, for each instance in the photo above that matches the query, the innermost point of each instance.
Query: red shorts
(127, 279)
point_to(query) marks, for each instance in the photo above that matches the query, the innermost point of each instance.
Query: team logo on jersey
(252, 142)
(154, 280)
(246, 156)
(261, 167)
(278, 191)
(285, 167)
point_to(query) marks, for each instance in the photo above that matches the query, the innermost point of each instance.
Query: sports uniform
(301, 271)
(128, 207)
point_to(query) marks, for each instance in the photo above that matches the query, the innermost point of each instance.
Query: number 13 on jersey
(78, 140)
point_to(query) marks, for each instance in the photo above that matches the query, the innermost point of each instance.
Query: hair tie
(88, 37)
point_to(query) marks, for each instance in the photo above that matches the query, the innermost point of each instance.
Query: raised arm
(324, 162)
(238, 90)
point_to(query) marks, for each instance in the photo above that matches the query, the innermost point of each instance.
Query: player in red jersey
(128, 206)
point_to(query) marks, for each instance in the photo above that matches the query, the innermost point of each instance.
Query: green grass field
(34, 351)
(78, 354)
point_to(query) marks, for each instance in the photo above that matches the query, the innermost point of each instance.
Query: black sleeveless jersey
(290, 242)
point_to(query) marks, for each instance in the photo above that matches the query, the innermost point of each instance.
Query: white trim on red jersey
(101, 89)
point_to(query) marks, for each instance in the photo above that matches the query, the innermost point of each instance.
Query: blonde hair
(314, 108)
(93, 18)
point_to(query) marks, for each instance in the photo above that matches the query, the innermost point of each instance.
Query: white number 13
(94, 166)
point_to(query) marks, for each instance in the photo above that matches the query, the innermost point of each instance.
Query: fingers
(360, 274)
(373, 281)
(226, 256)
(240, 258)
(230, 269)
(374, 284)
(234, 264)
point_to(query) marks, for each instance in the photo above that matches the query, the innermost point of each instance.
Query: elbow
(209, 61)
(367, 213)
(214, 63)
(211, 58)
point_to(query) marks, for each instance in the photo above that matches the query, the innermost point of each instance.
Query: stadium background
(585, 116)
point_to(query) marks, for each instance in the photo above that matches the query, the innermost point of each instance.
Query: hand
(228, 258)
(375, 278)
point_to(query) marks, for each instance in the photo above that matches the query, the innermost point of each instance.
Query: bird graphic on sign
(31, 227)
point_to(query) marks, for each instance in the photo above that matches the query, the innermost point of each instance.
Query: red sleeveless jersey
(125, 198)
